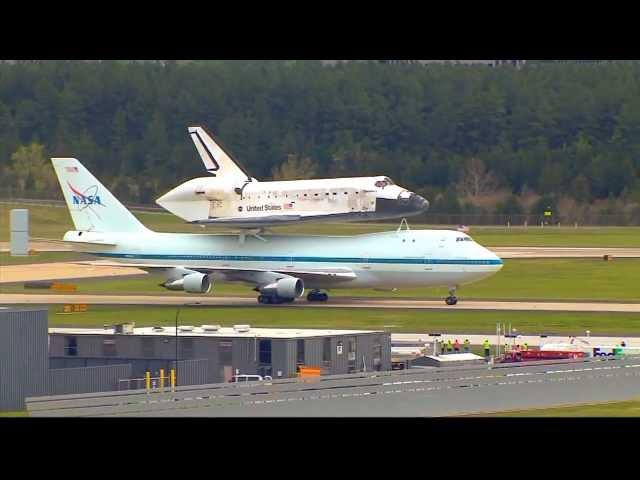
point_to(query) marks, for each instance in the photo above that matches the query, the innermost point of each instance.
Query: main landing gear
(273, 299)
(451, 299)
(317, 296)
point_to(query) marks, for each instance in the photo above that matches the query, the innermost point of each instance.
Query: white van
(249, 378)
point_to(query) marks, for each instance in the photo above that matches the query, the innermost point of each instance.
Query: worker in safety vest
(456, 346)
(449, 346)
(525, 346)
(466, 344)
(487, 348)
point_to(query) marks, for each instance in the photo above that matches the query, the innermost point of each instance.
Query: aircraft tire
(451, 300)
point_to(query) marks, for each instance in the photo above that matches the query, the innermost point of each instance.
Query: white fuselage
(397, 259)
(213, 200)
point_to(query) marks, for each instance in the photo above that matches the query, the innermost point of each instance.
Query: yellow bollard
(147, 381)
(162, 379)
(173, 379)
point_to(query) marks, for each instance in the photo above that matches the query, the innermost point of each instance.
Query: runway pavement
(408, 393)
(335, 302)
(61, 271)
(40, 247)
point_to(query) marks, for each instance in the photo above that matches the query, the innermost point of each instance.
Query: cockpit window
(464, 239)
(384, 182)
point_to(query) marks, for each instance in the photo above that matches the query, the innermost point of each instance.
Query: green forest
(469, 138)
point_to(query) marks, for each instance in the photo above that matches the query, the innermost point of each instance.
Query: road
(335, 302)
(409, 393)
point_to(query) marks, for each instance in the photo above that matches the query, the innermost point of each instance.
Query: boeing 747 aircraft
(279, 267)
(232, 197)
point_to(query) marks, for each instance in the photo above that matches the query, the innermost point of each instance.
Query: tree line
(448, 132)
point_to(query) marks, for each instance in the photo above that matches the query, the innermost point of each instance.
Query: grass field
(53, 222)
(400, 320)
(520, 279)
(630, 408)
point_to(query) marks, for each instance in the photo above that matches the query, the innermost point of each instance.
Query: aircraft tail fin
(217, 162)
(91, 205)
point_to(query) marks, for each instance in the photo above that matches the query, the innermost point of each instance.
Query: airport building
(217, 353)
(36, 361)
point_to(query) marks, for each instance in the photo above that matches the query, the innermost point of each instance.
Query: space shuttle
(230, 196)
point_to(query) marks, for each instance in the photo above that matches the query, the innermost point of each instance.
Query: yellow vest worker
(525, 346)
(466, 345)
(487, 348)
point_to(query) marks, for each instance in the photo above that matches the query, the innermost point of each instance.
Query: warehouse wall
(24, 356)
(283, 357)
(193, 372)
(86, 379)
(245, 355)
(313, 352)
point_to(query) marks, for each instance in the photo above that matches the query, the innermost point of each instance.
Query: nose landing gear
(317, 296)
(451, 299)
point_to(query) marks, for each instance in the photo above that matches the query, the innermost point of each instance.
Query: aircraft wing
(327, 275)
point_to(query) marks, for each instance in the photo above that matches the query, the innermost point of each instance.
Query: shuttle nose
(407, 203)
(414, 204)
(419, 203)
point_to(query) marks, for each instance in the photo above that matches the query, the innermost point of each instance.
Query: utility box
(19, 232)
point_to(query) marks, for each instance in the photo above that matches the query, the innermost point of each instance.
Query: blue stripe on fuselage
(245, 258)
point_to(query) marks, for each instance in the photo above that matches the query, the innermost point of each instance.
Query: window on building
(264, 351)
(300, 352)
(70, 346)
(326, 350)
(109, 347)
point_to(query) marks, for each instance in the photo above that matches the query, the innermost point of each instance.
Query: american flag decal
(288, 205)
(71, 169)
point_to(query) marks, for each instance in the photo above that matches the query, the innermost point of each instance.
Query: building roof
(213, 331)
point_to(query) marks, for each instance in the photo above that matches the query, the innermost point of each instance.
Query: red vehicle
(531, 355)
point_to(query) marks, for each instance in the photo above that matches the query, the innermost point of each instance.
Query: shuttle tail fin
(217, 162)
(91, 205)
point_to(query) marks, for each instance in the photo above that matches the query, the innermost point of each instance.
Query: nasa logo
(88, 197)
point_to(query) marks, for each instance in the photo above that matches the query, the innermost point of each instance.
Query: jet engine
(288, 287)
(191, 283)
